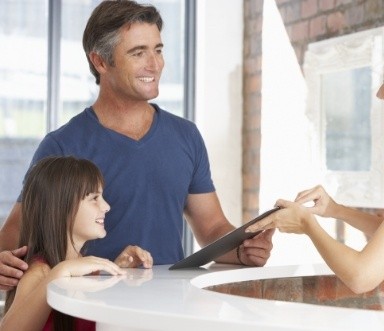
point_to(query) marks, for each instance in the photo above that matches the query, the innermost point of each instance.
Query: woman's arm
(365, 222)
(360, 271)
(324, 205)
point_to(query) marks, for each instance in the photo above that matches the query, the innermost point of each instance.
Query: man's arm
(11, 267)
(9, 233)
(208, 223)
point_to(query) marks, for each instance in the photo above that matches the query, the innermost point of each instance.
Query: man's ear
(98, 62)
(380, 92)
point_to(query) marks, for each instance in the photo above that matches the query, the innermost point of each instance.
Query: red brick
(253, 83)
(343, 292)
(309, 8)
(251, 180)
(252, 65)
(335, 22)
(291, 12)
(376, 306)
(281, 2)
(299, 31)
(317, 26)
(327, 4)
(343, 2)
(253, 26)
(354, 15)
(325, 289)
(252, 199)
(252, 120)
(256, 7)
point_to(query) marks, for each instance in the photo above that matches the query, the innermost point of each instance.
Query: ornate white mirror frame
(361, 187)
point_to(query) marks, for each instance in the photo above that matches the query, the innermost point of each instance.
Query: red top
(80, 324)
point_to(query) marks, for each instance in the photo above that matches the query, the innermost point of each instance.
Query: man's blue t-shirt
(146, 182)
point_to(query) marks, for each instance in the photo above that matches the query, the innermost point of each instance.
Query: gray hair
(102, 32)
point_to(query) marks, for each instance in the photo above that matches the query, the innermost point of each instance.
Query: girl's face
(89, 220)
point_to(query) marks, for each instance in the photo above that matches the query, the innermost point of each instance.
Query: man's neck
(132, 119)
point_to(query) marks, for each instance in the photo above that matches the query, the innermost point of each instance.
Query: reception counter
(164, 300)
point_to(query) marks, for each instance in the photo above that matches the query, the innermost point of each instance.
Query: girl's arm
(30, 310)
(133, 257)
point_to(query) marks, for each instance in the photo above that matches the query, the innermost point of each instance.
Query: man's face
(138, 63)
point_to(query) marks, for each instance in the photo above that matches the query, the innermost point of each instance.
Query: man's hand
(133, 257)
(257, 250)
(12, 268)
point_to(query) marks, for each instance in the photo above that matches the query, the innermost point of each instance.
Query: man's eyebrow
(142, 47)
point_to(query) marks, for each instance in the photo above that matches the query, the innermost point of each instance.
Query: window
(45, 79)
(343, 75)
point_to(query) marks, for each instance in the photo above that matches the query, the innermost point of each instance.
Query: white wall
(285, 150)
(219, 96)
(285, 145)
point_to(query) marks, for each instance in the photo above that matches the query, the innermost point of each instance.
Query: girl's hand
(86, 265)
(133, 257)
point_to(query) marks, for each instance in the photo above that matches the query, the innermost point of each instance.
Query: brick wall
(306, 21)
(316, 290)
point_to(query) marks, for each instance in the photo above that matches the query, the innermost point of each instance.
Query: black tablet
(220, 246)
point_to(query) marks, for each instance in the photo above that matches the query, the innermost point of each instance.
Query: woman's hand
(291, 218)
(323, 204)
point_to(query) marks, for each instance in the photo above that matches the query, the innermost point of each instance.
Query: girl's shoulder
(35, 275)
(38, 268)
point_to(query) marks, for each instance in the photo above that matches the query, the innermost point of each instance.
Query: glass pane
(346, 100)
(23, 77)
(171, 94)
(78, 88)
(23, 89)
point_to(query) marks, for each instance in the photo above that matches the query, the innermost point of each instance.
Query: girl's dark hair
(101, 34)
(51, 196)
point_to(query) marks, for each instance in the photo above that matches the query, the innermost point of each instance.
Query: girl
(62, 208)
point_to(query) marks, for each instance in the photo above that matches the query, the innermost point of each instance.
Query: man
(154, 163)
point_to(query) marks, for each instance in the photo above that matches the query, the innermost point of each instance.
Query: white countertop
(160, 299)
